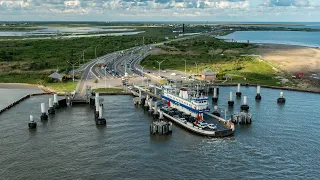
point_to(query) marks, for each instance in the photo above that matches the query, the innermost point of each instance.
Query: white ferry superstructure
(195, 106)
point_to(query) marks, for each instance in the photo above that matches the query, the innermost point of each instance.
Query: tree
(95, 82)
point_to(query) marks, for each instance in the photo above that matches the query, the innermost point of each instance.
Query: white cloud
(156, 8)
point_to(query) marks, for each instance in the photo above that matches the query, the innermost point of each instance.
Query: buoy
(258, 96)
(215, 97)
(55, 101)
(230, 102)
(51, 109)
(244, 106)
(238, 93)
(281, 99)
(215, 111)
(44, 115)
(101, 120)
(32, 124)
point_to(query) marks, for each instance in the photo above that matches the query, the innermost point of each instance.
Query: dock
(224, 127)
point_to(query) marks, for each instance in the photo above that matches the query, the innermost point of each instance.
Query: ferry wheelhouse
(182, 101)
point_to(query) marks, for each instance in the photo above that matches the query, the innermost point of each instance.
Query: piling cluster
(215, 96)
(160, 127)
(53, 104)
(258, 96)
(98, 113)
(238, 93)
(32, 124)
(215, 111)
(230, 102)
(281, 99)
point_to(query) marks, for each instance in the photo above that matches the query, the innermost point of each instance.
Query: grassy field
(108, 90)
(62, 87)
(31, 61)
(225, 58)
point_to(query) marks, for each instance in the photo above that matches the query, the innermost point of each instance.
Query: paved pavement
(115, 63)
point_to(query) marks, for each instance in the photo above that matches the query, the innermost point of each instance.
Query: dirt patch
(291, 58)
(161, 51)
(215, 51)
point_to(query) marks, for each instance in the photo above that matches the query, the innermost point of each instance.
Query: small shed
(227, 77)
(208, 74)
(56, 76)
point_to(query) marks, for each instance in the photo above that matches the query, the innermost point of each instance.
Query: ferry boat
(194, 106)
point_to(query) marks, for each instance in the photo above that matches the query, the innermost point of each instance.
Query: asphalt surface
(116, 61)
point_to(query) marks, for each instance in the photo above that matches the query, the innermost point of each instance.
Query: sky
(161, 10)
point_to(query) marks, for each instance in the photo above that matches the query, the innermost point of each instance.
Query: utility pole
(159, 67)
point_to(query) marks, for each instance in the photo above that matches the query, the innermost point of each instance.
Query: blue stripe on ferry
(184, 106)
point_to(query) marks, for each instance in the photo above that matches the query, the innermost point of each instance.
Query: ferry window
(205, 101)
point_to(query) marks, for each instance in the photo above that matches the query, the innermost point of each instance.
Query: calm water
(8, 96)
(311, 39)
(282, 143)
(312, 25)
(51, 31)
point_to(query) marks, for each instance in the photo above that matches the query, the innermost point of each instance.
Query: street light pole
(72, 69)
(95, 51)
(83, 55)
(185, 66)
(159, 67)
(142, 73)
(196, 67)
(79, 60)
(105, 80)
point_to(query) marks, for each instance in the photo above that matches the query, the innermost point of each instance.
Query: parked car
(212, 126)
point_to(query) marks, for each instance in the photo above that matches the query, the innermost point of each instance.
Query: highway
(114, 62)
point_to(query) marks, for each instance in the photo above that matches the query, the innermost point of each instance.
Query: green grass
(222, 57)
(31, 61)
(25, 77)
(62, 86)
(108, 90)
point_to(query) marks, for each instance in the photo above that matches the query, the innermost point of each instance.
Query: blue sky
(161, 10)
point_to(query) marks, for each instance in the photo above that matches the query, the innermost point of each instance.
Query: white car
(212, 126)
(173, 74)
(183, 77)
(202, 125)
(130, 87)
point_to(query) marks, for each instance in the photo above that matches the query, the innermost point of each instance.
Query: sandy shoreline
(19, 86)
(291, 58)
